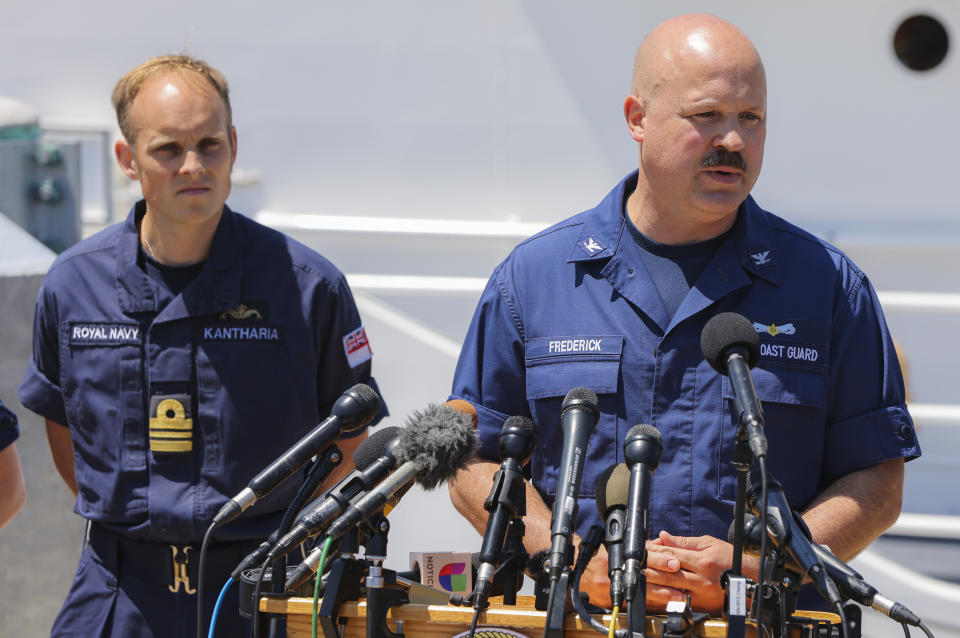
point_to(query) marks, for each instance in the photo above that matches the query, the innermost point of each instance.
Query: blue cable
(216, 607)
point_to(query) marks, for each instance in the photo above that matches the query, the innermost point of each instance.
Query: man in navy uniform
(175, 355)
(615, 299)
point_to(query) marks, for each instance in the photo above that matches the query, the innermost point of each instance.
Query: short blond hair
(130, 84)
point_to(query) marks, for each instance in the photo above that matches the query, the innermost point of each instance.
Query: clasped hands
(676, 566)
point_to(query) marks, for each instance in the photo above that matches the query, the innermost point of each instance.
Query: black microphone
(794, 538)
(507, 499)
(319, 514)
(433, 446)
(849, 582)
(578, 417)
(612, 491)
(642, 451)
(354, 409)
(730, 344)
(373, 459)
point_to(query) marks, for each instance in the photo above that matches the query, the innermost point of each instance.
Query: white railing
(400, 225)
(926, 526)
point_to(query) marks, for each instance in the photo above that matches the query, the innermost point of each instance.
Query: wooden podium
(444, 621)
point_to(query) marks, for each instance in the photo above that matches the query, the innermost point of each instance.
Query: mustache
(723, 157)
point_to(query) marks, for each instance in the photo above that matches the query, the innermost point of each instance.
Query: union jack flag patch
(357, 347)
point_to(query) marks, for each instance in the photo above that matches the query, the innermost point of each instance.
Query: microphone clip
(682, 621)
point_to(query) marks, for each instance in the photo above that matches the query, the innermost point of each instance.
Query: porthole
(921, 42)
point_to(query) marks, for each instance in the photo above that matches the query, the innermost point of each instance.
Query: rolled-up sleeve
(490, 373)
(867, 417)
(40, 390)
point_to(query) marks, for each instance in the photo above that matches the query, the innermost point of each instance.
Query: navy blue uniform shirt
(175, 402)
(575, 306)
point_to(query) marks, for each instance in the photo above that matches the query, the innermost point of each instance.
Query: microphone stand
(343, 583)
(733, 581)
(779, 596)
(559, 602)
(321, 468)
(382, 590)
(514, 562)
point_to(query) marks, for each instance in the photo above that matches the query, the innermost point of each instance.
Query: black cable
(208, 535)
(473, 625)
(581, 608)
(906, 629)
(843, 620)
(256, 597)
(763, 541)
(925, 630)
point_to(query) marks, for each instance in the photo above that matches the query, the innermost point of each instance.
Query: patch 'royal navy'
(103, 334)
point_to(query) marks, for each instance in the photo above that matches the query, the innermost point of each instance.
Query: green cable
(316, 586)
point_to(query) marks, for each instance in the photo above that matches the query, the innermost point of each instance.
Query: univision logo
(452, 577)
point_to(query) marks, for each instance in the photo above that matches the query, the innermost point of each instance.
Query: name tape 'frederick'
(574, 345)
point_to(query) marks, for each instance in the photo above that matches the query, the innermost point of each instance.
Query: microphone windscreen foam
(439, 441)
(373, 447)
(727, 330)
(612, 488)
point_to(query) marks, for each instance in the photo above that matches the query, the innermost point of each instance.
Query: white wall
(504, 108)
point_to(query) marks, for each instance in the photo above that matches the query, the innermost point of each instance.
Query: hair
(130, 84)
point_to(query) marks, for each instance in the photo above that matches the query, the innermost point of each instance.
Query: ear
(634, 112)
(126, 160)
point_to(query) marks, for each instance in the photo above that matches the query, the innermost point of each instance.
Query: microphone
(612, 489)
(578, 417)
(433, 446)
(373, 459)
(642, 451)
(730, 344)
(354, 409)
(507, 499)
(795, 537)
(849, 582)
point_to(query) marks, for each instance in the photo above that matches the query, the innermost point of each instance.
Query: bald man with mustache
(675, 243)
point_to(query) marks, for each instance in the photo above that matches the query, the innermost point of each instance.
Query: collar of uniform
(603, 225)
(756, 242)
(220, 277)
(134, 290)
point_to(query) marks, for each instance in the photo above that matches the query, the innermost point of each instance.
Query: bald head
(698, 111)
(691, 41)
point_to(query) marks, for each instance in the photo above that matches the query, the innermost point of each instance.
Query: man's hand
(694, 564)
(595, 580)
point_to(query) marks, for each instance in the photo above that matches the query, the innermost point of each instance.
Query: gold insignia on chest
(242, 312)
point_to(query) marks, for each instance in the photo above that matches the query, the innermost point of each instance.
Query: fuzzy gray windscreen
(439, 441)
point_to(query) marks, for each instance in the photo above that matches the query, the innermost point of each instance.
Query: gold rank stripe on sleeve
(171, 430)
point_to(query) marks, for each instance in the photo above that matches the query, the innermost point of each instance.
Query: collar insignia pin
(761, 258)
